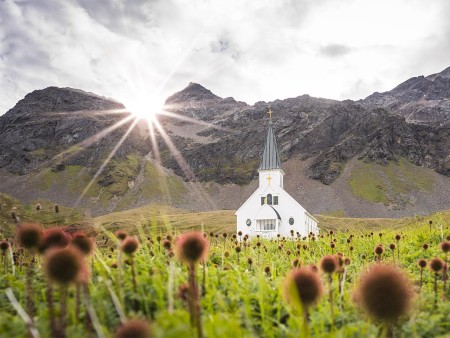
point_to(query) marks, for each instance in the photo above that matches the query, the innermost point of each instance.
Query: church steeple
(270, 158)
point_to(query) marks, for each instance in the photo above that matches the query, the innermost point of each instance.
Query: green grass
(28, 213)
(388, 184)
(158, 183)
(238, 301)
(165, 218)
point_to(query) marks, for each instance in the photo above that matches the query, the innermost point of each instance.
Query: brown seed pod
(134, 328)
(83, 243)
(379, 250)
(436, 264)
(445, 247)
(328, 264)
(384, 293)
(64, 266)
(129, 245)
(422, 263)
(192, 247)
(121, 235)
(54, 238)
(302, 286)
(29, 236)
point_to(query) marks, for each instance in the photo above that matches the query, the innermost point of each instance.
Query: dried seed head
(267, 270)
(422, 263)
(302, 286)
(83, 243)
(29, 236)
(129, 245)
(398, 237)
(425, 246)
(56, 207)
(347, 261)
(54, 238)
(392, 246)
(384, 293)
(134, 328)
(379, 250)
(4, 246)
(238, 249)
(328, 264)
(445, 246)
(436, 264)
(167, 244)
(121, 235)
(64, 266)
(296, 263)
(192, 247)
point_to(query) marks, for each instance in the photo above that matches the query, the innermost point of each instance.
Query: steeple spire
(270, 158)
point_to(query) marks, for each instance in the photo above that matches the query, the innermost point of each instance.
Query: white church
(270, 210)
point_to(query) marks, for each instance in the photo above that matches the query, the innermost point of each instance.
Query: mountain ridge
(43, 138)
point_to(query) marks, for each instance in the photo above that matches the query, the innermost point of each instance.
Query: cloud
(258, 50)
(334, 50)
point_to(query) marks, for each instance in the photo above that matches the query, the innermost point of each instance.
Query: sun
(146, 108)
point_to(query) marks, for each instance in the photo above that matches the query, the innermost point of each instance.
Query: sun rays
(148, 111)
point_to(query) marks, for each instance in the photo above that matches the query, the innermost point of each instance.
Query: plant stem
(51, 309)
(29, 287)
(62, 312)
(195, 306)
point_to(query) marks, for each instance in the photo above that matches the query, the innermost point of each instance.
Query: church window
(269, 199)
(266, 225)
(248, 222)
(291, 221)
(263, 200)
(275, 200)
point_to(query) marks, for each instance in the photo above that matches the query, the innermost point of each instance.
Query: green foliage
(157, 183)
(387, 184)
(46, 216)
(239, 301)
(234, 169)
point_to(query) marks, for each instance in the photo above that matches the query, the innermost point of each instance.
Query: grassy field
(238, 299)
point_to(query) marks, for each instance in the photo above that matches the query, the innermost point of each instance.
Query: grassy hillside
(29, 213)
(389, 184)
(157, 218)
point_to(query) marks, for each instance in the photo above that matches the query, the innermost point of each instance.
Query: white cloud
(251, 50)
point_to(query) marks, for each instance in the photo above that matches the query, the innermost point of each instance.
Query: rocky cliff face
(423, 100)
(61, 126)
(58, 131)
(412, 121)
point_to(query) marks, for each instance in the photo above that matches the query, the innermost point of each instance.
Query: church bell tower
(270, 172)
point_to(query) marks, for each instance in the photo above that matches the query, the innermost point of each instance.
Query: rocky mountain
(419, 99)
(355, 157)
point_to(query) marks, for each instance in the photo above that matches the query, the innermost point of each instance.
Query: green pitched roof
(270, 158)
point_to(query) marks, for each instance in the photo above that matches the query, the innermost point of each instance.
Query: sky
(251, 50)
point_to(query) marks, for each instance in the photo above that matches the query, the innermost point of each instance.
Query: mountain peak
(444, 74)
(56, 99)
(193, 92)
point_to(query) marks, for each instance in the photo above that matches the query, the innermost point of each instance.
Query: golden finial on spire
(270, 112)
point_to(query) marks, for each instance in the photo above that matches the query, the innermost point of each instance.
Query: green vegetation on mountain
(386, 184)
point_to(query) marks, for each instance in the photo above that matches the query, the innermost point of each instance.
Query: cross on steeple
(269, 178)
(270, 113)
